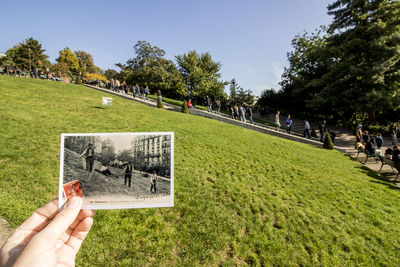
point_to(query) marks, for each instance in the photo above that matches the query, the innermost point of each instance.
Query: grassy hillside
(241, 197)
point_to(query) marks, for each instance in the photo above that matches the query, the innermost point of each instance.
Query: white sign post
(106, 101)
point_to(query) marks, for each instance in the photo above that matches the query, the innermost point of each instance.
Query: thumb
(65, 218)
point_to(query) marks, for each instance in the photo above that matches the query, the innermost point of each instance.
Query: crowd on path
(372, 145)
(36, 73)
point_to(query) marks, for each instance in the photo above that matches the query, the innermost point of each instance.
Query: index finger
(39, 219)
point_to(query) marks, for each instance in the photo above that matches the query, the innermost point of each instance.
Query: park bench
(367, 155)
(386, 161)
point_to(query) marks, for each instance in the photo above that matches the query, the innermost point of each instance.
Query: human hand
(48, 237)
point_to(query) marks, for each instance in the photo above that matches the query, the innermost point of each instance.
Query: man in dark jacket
(128, 173)
(89, 157)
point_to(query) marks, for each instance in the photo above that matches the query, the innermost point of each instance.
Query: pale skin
(49, 237)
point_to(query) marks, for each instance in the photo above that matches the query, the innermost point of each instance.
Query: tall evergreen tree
(364, 59)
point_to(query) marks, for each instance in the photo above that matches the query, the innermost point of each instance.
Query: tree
(86, 63)
(363, 53)
(238, 95)
(110, 74)
(27, 54)
(159, 103)
(184, 108)
(149, 68)
(107, 151)
(125, 155)
(68, 57)
(328, 144)
(201, 75)
(307, 62)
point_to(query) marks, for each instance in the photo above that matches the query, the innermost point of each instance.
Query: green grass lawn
(241, 197)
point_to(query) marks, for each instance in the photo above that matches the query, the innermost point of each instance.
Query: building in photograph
(152, 152)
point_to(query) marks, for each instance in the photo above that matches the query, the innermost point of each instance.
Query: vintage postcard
(118, 170)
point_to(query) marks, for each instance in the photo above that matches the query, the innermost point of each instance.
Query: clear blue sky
(249, 38)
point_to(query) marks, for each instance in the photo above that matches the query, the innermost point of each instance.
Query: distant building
(152, 152)
(2, 55)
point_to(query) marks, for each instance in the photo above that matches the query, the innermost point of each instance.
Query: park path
(344, 142)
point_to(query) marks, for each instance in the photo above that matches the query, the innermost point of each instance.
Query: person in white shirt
(306, 129)
(89, 157)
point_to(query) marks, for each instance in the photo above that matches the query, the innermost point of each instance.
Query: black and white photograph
(118, 170)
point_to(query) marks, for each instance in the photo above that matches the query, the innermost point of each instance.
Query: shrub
(94, 76)
(314, 133)
(184, 109)
(159, 103)
(328, 144)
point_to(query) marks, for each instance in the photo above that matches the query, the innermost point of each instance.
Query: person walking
(218, 104)
(232, 113)
(146, 93)
(243, 113)
(322, 130)
(89, 157)
(393, 133)
(209, 105)
(288, 124)
(306, 132)
(236, 110)
(250, 111)
(276, 121)
(128, 173)
(153, 182)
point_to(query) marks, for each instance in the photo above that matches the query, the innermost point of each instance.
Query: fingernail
(74, 202)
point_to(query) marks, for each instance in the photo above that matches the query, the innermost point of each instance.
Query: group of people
(323, 130)
(123, 88)
(239, 112)
(209, 103)
(373, 144)
(36, 73)
(89, 154)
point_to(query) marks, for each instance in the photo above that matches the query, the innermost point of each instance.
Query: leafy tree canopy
(68, 57)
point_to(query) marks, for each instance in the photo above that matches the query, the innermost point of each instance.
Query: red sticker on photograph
(73, 189)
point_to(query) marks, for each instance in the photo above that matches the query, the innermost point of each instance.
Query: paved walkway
(344, 141)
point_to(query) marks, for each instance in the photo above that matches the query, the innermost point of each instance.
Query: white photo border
(61, 199)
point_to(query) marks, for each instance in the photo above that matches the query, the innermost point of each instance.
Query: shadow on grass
(379, 178)
(98, 107)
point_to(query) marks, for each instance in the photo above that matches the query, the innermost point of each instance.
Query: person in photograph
(153, 182)
(128, 173)
(105, 171)
(89, 157)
